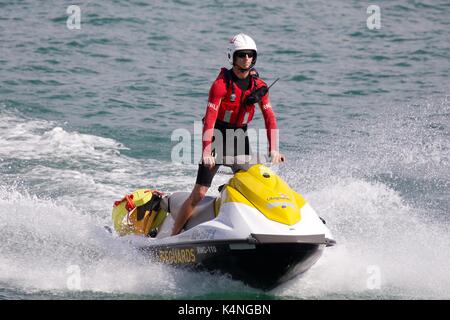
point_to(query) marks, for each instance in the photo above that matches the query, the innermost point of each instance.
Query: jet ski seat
(203, 212)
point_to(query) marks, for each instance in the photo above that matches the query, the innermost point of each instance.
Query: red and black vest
(232, 107)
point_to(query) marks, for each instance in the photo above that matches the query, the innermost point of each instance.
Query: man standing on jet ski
(231, 105)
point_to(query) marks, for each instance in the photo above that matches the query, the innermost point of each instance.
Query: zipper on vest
(241, 102)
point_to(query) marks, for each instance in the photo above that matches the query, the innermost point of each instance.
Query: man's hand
(276, 157)
(209, 161)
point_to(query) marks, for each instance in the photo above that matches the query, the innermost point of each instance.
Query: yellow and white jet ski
(258, 230)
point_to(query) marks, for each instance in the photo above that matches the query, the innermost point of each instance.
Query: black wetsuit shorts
(221, 149)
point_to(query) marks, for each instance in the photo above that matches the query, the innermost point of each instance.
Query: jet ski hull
(260, 265)
(258, 230)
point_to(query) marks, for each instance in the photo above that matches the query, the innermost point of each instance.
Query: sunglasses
(242, 54)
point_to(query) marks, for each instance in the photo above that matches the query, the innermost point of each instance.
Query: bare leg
(197, 194)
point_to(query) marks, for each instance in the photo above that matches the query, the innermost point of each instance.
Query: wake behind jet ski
(257, 230)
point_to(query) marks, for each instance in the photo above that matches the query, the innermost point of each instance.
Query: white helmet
(241, 42)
